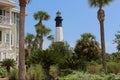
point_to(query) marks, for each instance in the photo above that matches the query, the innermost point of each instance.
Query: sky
(78, 18)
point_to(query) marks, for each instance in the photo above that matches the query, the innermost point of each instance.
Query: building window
(11, 39)
(0, 12)
(0, 36)
(0, 56)
(7, 38)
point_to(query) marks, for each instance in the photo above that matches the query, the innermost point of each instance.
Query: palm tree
(87, 48)
(29, 40)
(50, 37)
(46, 58)
(42, 31)
(100, 15)
(8, 63)
(22, 4)
(40, 28)
(41, 15)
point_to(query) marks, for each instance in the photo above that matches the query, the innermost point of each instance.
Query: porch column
(10, 16)
(10, 40)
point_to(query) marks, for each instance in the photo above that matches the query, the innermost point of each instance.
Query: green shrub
(13, 75)
(86, 76)
(54, 71)
(35, 73)
(65, 72)
(113, 67)
(3, 72)
(94, 69)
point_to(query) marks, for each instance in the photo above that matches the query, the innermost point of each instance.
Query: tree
(42, 31)
(117, 40)
(87, 48)
(40, 28)
(46, 58)
(41, 15)
(100, 15)
(51, 37)
(8, 63)
(62, 48)
(29, 42)
(22, 4)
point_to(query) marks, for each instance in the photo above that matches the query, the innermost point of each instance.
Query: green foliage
(35, 73)
(41, 15)
(29, 39)
(113, 67)
(54, 71)
(72, 62)
(41, 29)
(99, 3)
(117, 40)
(65, 72)
(115, 57)
(62, 48)
(86, 76)
(94, 69)
(87, 47)
(45, 57)
(3, 72)
(13, 75)
(8, 63)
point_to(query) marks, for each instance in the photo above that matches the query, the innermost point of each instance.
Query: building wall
(9, 33)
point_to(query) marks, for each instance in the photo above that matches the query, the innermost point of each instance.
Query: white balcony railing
(4, 20)
(5, 46)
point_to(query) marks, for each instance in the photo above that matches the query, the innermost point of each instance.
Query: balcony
(4, 20)
(5, 46)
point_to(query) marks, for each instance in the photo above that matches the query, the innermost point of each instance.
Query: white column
(10, 16)
(10, 39)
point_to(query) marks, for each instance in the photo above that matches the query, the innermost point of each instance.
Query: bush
(94, 69)
(35, 73)
(54, 71)
(13, 75)
(113, 67)
(65, 72)
(3, 72)
(86, 76)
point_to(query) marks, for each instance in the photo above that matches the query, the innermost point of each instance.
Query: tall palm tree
(29, 40)
(41, 15)
(22, 4)
(40, 28)
(41, 32)
(100, 15)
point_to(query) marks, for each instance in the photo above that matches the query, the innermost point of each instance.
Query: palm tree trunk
(46, 70)
(41, 43)
(21, 74)
(103, 46)
(101, 20)
(8, 69)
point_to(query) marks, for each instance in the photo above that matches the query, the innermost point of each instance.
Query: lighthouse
(59, 31)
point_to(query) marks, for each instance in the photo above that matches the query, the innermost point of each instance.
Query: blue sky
(78, 18)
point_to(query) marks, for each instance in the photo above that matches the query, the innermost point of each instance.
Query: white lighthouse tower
(59, 31)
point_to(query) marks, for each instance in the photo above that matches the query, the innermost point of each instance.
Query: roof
(10, 3)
